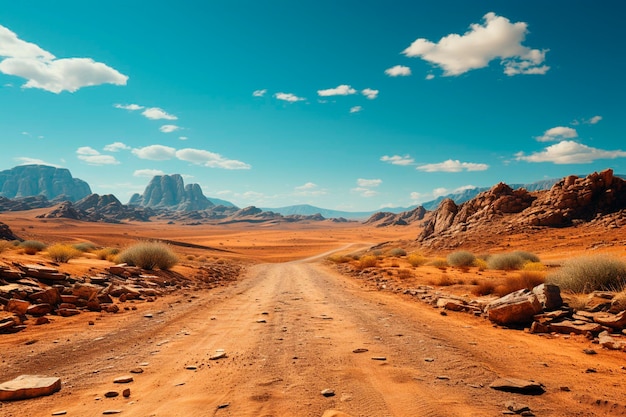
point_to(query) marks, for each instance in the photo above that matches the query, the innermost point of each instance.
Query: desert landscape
(317, 317)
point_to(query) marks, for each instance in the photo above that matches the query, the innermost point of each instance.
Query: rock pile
(37, 292)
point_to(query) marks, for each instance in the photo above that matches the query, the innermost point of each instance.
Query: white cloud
(342, 90)
(370, 93)
(557, 133)
(356, 109)
(595, 119)
(209, 159)
(464, 188)
(43, 70)
(398, 160)
(497, 38)
(570, 152)
(365, 192)
(361, 182)
(309, 189)
(25, 160)
(155, 113)
(438, 192)
(116, 147)
(430, 76)
(169, 128)
(183, 137)
(398, 71)
(147, 173)
(307, 186)
(259, 93)
(291, 98)
(155, 152)
(452, 166)
(93, 157)
(415, 196)
(131, 107)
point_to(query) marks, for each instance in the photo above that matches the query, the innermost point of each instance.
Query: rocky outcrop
(170, 192)
(6, 233)
(50, 182)
(97, 208)
(383, 219)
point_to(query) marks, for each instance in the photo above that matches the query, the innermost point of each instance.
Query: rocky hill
(97, 208)
(382, 219)
(572, 200)
(34, 180)
(170, 192)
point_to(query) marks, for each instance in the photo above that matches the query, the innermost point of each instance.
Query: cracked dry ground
(289, 331)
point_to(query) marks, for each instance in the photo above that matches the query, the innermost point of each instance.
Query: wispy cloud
(570, 152)
(370, 93)
(25, 160)
(289, 97)
(309, 189)
(93, 157)
(362, 182)
(209, 159)
(116, 147)
(155, 113)
(259, 93)
(149, 173)
(169, 128)
(595, 119)
(398, 71)
(398, 160)
(131, 107)
(356, 109)
(452, 166)
(342, 90)
(557, 133)
(155, 152)
(496, 38)
(44, 71)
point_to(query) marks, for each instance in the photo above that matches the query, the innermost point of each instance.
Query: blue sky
(353, 105)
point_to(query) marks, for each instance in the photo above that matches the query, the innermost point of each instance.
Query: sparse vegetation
(107, 254)
(62, 253)
(480, 263)
(415, 259)
(339, 259)
(484, 288)
(31, 247)
(526, 256)
(440, 263)
(149, 255)
(368, 261)
(505, 261)
(398, 252)
(404, 273)
(534, 266)
(461, 258)
(592, 273)
(85, 247)
(5, 245)
(524, 280)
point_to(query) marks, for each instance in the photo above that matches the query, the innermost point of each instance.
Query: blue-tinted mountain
(42, 180)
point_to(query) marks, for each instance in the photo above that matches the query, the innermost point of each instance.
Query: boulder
(576, 327)
(611, 343)
(617, 321)
(39, 310)
(29, 386)
(549, 295)
(50, 296)
(519, 307)
(518, 386)
(17, 306)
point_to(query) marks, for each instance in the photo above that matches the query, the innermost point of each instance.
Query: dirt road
(288, 331)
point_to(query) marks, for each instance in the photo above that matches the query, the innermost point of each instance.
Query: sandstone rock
(576, 327)
(549, 296)
(451, 304)
(123, 379)
(611, 343)
(51, 182)
(17, 306)
(328, 392)
(126, 393)
(85, 291)
(50, 296)
(67, 312)
(38, 310)
(169, 191)
(617, 321)
(518, 307)
(218, 355)
(29, 386)
(519, 386)
(111, 394)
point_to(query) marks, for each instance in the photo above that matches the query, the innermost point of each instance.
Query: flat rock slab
(518, 386)
(29, 386)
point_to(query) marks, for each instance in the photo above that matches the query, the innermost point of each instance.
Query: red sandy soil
(289, 326)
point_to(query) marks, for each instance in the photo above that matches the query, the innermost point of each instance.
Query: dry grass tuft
(368, 261)
(31, 247)
(484, 288)
(461, 259)
(591, 273)
(62, 253)
(149, 255)
(415, 260)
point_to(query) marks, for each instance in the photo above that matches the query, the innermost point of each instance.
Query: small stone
(429, 359)
(111, 394)
(148, 316)
(265, 313)
(217, 355)
(136, 371)
(59, 413)
(565, 389)
(91, 323)
(590, 352)
(123, 380)
(518, 386)
(591, 370)
(443, 377)
(379, 358)
(126, 393)
(219, 407)
(328, 392)
(360, 350)
(261, 321)
(191, 368)
(443, 313)
(107, 412)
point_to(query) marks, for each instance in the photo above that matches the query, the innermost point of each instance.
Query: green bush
(591, 273)
(62, 253)
(461, 258)
(31, 247)
(149, 255)
(506, 261)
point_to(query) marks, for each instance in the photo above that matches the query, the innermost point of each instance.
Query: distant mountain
(308, 210)
(98, 208)
(170, 192)
(220, 202)
(47, 181)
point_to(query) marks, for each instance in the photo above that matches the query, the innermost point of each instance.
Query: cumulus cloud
(342, 90)
(131, 107)
(595, 119)
(209, 159)
(398, 160)
(169, 128)
(43, 70)
(361, 182)
(291, 98)
(496, 38)
(93, 157)
(307, 186)
(259, 93)
(155, 152)
(155, 113)
(147, 173)
(355, 109)
(116, 147)
(309, 189)
(452, 166)
(570, 152)
(439, 192)
(370, 93)
(398, 71)
(557, 133)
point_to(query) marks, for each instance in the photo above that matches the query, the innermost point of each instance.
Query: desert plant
(107, 253)
(398, 252)
(461, 258)
(31, 247)
(591, 273)
(480, 263)
(534, 266)
(149, 255)
(444, 281)
(339, 259)
(440, 263)
(526, 256)
(505, 261)
(415, 259)
(404, 273)
(525, 280)
(84, 246)
(62, 253)
(368, 261)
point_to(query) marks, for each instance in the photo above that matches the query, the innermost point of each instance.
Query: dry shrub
(368, 261)
(415, 259)
(62, 253)
(440, 263)
(525, 280)
(526, 256)
(404, 273)
(461, 258)
(591, 273)
(484, 288)
(339, 259)
(149, 255)
(31, 247)
(534, 266)
(107, 254)
(505, 261)
(577, 302)
(444, 281)
(84, 246)
(398, 252)
(619, 302)
(481, 264)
